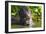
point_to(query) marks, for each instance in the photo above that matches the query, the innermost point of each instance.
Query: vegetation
(36, 13)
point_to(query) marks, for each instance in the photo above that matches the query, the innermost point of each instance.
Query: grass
(37, 24)
(18, 26)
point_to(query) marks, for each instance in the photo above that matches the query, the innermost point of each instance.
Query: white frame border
(23, 29)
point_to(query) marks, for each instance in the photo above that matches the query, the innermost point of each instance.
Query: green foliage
(36, 13)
